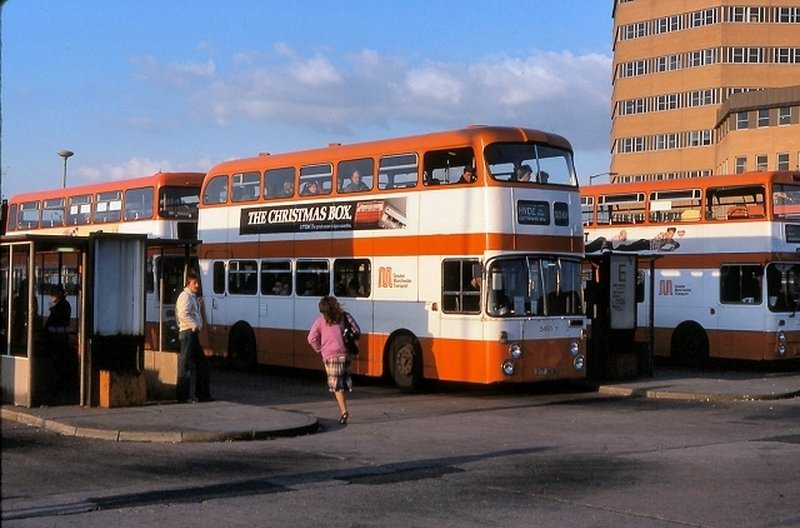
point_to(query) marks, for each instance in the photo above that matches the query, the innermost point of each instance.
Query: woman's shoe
(343, 418)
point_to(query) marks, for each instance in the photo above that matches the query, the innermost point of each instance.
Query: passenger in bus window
(468, 176)
(310, 188)
(310, 287)
(543, 176)
(524, 173)
(287, 189)
(356, 183)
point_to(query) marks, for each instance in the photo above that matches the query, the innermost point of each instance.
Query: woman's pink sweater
(326, 339)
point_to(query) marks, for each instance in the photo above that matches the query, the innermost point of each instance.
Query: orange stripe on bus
(713, 261)
(730, 344)
(443, 359)
(459, 244)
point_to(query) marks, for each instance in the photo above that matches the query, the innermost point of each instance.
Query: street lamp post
(66, 154)
(593, 176)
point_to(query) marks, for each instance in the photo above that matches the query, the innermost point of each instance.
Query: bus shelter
(104, 278)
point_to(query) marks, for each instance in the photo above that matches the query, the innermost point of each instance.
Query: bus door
(276, 311)
(312, 281)
(215, 303)
(742, 305)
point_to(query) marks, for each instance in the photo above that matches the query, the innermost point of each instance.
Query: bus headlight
(574, 348)
(579, 362)
(515, 350)
(781, 349)
(508, 367)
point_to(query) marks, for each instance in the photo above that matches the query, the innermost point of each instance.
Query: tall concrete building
(705, 87)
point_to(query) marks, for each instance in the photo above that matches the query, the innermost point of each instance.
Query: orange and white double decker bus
(454, 268)
(727, 260)
(162, 205)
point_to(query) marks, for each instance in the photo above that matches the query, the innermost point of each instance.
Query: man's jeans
(192, 358)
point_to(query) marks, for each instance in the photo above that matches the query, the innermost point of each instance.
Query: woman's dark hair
(330, 309)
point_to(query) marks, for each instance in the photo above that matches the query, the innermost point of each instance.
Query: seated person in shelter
(356, 184)
(468, 176)
(543, 176)
(524, 173)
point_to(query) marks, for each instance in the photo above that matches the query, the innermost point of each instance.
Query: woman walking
(325, 337)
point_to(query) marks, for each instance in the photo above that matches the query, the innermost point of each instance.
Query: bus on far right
(726, 253)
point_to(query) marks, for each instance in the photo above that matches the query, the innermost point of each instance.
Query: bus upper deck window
(53, 213)
(245, 186)
(216, 190)
(80, 210)
(279, 183)
(29, 215)
(398, 172)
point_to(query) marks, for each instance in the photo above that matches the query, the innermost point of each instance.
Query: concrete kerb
(311, 425)
(655, 394)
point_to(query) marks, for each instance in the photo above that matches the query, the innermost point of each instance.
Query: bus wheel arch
(689, 344)
(403, 360)
(242, 353)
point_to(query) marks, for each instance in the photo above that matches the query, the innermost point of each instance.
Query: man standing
(187, 310)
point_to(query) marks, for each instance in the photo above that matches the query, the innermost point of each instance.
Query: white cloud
(560, 92)
(132, 168)
(176, 73)
(315, 72)
(435, 83)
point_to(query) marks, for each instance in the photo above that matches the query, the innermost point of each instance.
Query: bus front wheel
(242, 347)
(690, 345)
(405, 362)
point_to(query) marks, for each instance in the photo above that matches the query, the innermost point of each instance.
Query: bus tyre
(689, 345)
(405, 362)
(242, 347)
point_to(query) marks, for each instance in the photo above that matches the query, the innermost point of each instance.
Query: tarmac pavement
(228, 421)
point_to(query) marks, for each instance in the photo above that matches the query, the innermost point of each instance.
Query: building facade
(704, 87)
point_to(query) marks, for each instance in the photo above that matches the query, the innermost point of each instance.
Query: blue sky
(136, 86)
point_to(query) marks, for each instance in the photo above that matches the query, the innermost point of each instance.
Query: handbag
(350, 336)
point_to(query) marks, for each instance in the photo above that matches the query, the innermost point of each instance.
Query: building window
(763, 117)
(741, 164)
(736, 14)
(784, 115)
(761, 162)
(783, 161)
(788, 15)
(741, 120)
